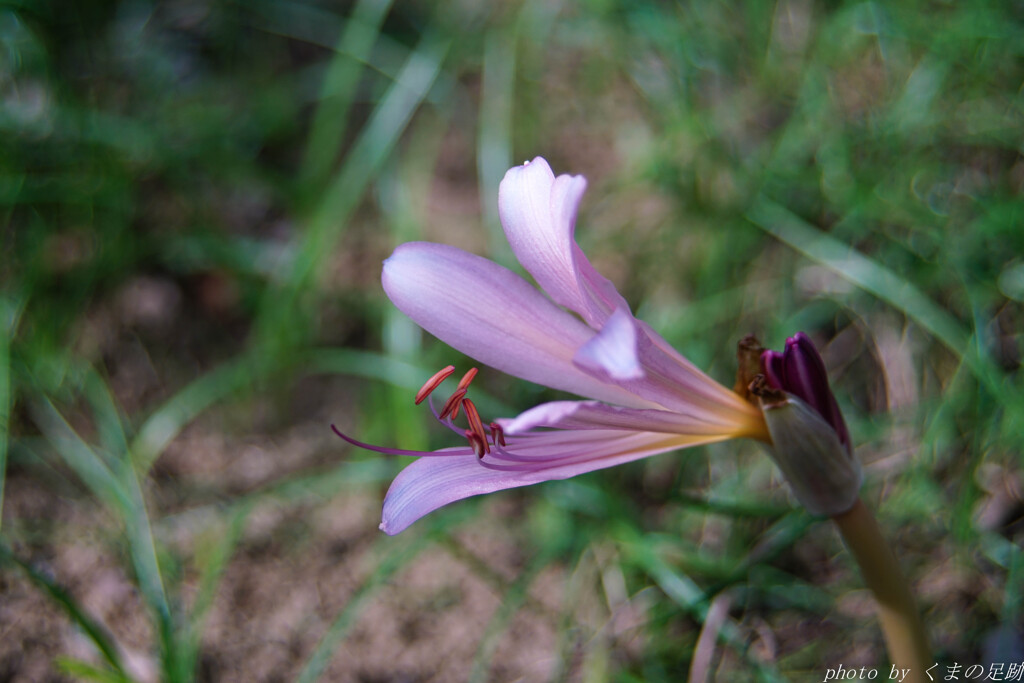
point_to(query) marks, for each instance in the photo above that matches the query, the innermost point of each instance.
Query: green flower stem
(900, 620)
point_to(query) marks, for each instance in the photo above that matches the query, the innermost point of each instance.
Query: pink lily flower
(581, 338)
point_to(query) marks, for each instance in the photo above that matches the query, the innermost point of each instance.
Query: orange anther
(433, 382)
(476, 443)
(497, 433)
(467, 378)
(473, 417)
(452, 404)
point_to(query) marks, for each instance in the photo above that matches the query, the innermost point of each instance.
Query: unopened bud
(824, 475)
(800, 371)
(810, 441)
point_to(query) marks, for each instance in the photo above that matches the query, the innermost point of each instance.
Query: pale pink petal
(493, 315)
(682, 384)
(612, 352)
(594, 415)
(538, 212)
(627, 352)
(434, 481)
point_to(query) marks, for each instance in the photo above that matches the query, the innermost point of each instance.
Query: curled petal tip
(612, 352)
(538, 213)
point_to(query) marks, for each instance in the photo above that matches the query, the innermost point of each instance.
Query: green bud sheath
(823, 474)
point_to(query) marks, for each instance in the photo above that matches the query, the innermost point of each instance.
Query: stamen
(501, 453)
(478, 445)
(467, 378)
(437, 416)
(473, 417)
(507, 461)
(452, 404)
(508, 468)
(398, 451)
(432, 383)
(497, 433)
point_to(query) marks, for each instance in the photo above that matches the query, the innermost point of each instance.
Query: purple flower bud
(773, 365)
(800, 371)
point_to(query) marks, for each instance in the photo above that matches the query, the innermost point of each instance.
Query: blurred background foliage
(197, 195)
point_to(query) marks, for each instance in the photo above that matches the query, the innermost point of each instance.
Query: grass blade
(494, 144)
(96, 632)
(8, 322)
(106, 414)
(167, 421)
(362, 164)
(121, 491)
(81, 458)
(142, 548)
(878, 280)
(211, 572)
(87, 672)
(398, 553)
(328, 128)
(336, 632)
(683, 591)
(511, 601)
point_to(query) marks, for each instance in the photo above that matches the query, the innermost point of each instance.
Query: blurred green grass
(196, 197)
